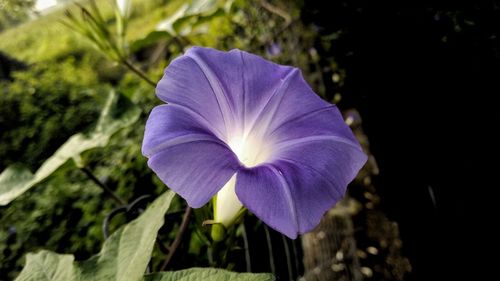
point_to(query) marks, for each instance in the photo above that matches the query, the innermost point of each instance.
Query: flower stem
(295, 256)
(288, 258)
(270, 250)
(138, 72)
(247, 248)
(104, 187)
(177, 241)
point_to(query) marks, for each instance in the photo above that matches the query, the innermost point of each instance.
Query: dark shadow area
(8, 65)
(422, 80)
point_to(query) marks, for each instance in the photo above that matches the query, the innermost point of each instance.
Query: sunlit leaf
(186, 19)
(118, 112)
(208, 274)
(45, 266)
(124, 255)
(197, 13)
(167, 24)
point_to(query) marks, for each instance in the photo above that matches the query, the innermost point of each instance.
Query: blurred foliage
(43, 106)
(117, 113)
(59, 215)
(13, 12)
(42, 39)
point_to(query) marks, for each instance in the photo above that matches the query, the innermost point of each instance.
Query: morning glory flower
(253, 134)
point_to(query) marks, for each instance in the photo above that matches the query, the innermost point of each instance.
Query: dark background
(424, 81)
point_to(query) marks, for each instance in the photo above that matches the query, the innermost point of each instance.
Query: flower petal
(322, 121)
(291, 100)
(171, 124)
(293, 192)
(186, 155)
(248, 81)
(264, 191)
(237, 84)
(195, 170)
(185, 84)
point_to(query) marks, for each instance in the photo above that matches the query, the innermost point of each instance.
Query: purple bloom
(253, 133)
(273, 50)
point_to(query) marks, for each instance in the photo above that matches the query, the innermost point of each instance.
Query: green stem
(270, 250)
(247, 248)
(288, 258)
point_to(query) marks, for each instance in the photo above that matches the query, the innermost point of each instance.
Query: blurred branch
(104, 187)
(276, 10)
(177, 241)
(138, 72)
(275, 33)
(91, 25)
(109, 217)
(126, 208)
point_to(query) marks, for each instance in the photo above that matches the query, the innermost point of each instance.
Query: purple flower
(273, 50)
(253, 133)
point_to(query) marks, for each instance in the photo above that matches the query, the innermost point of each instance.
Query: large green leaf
(124, 256)
(45, 266)
(118, 112)
(208, 274)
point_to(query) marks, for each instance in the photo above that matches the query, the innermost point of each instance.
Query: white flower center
(250, 150)
(227, 204)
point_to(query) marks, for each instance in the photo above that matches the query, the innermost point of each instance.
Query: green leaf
(188, 18)
(124, 255)
(202, 6)
(118, 112)
(208, 274)
(14, 180)
(45, 266)
(196, 24)
(188, 12)
(166, 24)
(150, 39)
